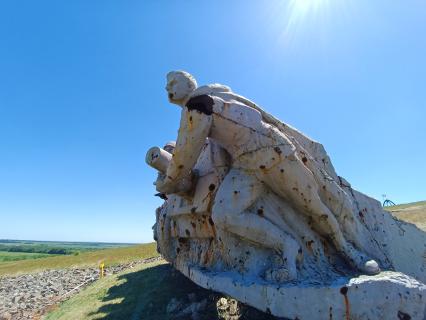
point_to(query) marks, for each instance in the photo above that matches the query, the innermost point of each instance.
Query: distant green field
(55, 247)
(110, 256)
(15, 256)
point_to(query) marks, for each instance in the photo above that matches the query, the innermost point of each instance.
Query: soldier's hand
(184, 186)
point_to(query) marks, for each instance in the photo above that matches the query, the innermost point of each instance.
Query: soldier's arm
(193, 130)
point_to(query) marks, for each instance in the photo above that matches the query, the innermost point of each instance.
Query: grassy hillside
(411, 212)
(123, 296)
(15, 256)
(91, 258)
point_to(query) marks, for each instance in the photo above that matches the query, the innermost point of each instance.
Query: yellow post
(101, 269)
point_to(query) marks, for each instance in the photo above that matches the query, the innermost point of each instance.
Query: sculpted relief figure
(262, 156)
(254, 208)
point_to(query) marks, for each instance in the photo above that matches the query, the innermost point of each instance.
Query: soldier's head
(170, 146)
(180, 85)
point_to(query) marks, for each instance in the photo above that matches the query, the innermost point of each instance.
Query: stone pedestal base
(388, 295)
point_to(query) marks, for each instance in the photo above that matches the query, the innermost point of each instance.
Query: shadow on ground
(147, 294)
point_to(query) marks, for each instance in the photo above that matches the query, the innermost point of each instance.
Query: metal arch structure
(388, 203)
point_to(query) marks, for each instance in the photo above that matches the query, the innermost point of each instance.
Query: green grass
(15, 256)
(137, 294)
(406, 206)
(91, 258)
(123, 296)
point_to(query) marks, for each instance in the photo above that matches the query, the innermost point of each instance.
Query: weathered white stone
(388, 295)
(256, 210)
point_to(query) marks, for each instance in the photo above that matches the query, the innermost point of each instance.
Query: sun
(304, 6)
(300, 9)
(300, 13)
(295, 23)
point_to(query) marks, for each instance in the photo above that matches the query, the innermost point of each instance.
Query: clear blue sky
(82, 98)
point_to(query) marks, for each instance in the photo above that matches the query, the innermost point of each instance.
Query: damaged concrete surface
(255, 209)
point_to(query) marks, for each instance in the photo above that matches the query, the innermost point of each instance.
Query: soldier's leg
(341, 203)
(236, 194)
(293, 181)
(328, 226)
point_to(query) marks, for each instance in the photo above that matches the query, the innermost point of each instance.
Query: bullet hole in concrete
(309, 244)
(211, 221)
(260, 212)
(183, 241)
(403, 316)
(344, 290)
(262, 167)
(212, 187)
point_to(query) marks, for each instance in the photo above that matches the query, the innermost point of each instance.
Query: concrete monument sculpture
(254, 209)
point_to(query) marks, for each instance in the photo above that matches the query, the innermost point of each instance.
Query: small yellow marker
(101, 269)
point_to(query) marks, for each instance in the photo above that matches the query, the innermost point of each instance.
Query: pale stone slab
(389, 295)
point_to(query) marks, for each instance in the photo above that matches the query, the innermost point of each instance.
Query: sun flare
(300, 9)
(304, 6)
(298, 14)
